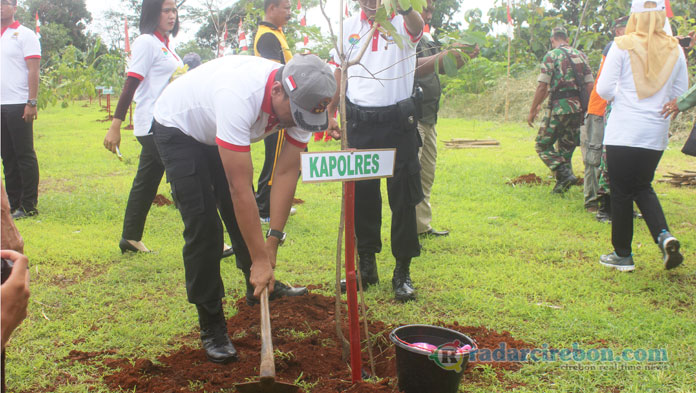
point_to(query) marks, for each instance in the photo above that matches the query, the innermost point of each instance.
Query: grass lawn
(518, 259)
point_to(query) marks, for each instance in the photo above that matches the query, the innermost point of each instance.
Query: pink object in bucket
(424, 346)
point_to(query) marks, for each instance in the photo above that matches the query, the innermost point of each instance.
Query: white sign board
(99, 87)
(347, 165)
(108, 91)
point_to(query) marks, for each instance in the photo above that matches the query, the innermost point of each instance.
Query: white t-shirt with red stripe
(384, 59)
(226, 101)
(153, 63)
(17, 44)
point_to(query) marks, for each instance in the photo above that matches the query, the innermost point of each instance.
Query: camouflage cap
(621, 22)
(559, 29)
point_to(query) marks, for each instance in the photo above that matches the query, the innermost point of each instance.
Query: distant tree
(193, 46)
(71, 14)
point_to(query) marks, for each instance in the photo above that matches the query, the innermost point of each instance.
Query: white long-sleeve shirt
(634, 122)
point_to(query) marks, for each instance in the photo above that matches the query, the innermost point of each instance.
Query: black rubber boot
(604, 212)
(401, 282)
(564, 179)
(279, 291)
(367, 263)
(216, 343)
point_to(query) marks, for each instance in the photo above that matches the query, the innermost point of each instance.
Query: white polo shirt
(383, 59)
(226, 101)
(153, 63)
(17, 44)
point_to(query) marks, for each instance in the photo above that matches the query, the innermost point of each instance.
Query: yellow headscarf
(653, 52)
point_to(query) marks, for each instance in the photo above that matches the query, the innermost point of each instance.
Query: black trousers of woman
(632, 170)
(144, 189)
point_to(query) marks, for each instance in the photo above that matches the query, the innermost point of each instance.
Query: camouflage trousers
(560, 130)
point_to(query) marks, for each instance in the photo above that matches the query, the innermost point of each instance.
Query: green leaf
(450, 63)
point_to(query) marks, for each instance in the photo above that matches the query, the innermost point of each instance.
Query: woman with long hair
(642, 72)
(149, 71)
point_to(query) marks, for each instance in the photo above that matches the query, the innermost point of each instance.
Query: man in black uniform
(270, 44)
(382, 114)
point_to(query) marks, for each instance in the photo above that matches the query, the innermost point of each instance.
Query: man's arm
(426, 65)
(540, 95)
(15, 294)
(239, 172)
(30, 112)
(282, 192)
(269, 48)
(414, 23)
(9, 236)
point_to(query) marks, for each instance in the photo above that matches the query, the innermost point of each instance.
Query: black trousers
(144, 189)
(632, 170)
(404, 189)
(20, 166)
(200, 187)
(273, 144)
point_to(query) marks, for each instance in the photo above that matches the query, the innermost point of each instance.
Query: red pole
(100, 105)
(108, 105)
(351, 284)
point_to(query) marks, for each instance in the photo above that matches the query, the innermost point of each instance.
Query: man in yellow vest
(270, 43)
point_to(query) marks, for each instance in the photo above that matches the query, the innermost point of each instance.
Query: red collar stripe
(14, 25)
(266, 103)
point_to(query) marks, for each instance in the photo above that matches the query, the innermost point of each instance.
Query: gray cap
(310, 84)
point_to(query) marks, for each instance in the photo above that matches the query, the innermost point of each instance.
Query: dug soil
(161, 200)
(307, 352)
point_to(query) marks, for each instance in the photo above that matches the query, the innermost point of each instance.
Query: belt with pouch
(402, 111)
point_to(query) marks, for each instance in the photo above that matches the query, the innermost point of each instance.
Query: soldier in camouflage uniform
(565, 115)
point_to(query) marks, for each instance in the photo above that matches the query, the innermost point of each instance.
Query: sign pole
(351, 284)
(108, 105)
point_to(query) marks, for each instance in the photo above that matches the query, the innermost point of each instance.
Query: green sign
(347, 165)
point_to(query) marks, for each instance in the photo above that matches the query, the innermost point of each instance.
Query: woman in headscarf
(642, 72)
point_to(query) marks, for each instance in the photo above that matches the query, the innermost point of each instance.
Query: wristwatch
(32, 103)
(277, 234)
(405, 12)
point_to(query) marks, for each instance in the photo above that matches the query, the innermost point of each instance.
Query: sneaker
(293, 211)
(21, 213)
(622, 264)
(265, 220)
(669, 245)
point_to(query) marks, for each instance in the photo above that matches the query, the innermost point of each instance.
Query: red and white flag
(38, 26)
(222, 44)
(303, 23)
(510, 22)
(668, 6)
(347, 13)
(299, 5)
(241, 37)
(127, 44)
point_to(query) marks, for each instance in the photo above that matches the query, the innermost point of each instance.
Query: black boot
(279, 290)
(367, 263)
(564, 179)
(401, 282)
(216, 342)
(604, 212)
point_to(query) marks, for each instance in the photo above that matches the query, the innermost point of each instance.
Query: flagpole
(582, 18)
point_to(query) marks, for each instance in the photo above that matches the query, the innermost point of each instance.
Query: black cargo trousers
(378, 128)
(200, 187)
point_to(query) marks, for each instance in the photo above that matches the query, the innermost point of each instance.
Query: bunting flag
(127, 45)
(509, 20)
(299, 5)
(426, 29)
(241, 37)
(38, 26)
(670, 14)
(347, 13)
(221, 45)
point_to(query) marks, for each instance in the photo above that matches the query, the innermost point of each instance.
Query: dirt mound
(530, 178)
(306, 353)
(161, 200)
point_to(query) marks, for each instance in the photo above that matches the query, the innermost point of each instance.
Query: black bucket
(422, 371)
